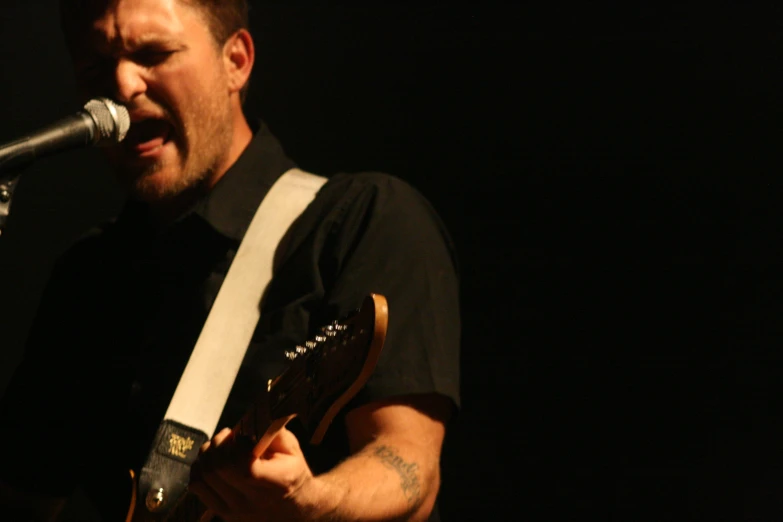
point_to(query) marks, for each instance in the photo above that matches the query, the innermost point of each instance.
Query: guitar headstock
(330, 368)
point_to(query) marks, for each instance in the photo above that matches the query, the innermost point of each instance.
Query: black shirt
(125, 305)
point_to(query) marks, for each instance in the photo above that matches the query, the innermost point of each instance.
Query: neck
(166, 211)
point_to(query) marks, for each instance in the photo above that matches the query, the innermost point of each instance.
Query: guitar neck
(322, 376)
(257, 425)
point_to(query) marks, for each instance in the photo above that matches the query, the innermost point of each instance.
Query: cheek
(184, 90)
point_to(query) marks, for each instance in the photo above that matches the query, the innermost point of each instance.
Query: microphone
(101, 122)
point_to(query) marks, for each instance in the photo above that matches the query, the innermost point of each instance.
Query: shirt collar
(231, 204)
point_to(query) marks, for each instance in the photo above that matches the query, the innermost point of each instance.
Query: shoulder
(380, 210)
(372, 183)
(369, 215)
(372, 194)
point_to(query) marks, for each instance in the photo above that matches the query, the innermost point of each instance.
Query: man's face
(159, 58)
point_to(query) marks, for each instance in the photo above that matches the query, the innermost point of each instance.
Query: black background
(611, 180)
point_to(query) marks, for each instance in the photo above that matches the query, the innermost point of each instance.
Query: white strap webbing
(213, 365)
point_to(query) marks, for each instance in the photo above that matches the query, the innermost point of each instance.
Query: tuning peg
(297, 351)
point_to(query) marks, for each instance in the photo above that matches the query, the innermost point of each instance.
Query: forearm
(385, 481)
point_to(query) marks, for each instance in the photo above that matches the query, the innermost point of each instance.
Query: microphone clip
(6, 193)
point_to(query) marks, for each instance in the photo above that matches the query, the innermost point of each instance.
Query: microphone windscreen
(111, 119)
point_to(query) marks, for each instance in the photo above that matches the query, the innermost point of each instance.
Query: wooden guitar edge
(134, 494)
(381, 309)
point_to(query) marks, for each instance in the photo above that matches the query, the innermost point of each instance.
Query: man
(133, 296)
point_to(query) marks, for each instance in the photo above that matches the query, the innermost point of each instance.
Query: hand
(238, 487)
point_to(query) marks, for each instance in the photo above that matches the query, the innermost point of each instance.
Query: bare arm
(392, 474)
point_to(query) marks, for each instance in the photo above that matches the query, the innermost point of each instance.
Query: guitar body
(323, 376)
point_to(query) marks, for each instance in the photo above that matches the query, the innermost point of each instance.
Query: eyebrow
(97, 40)
(147, 39)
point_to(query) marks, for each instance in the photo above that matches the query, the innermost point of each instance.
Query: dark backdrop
(611, 180)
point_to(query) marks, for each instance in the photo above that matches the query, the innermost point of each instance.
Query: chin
(159, 185)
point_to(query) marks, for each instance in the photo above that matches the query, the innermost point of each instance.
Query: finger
(221, 437)
(283, 465)
(212, 491)
(207, 516)
(208, 497)
(214, 477)
(234, 459)
(281, 471)
(284, 442)
(232, 498)
(216, 452)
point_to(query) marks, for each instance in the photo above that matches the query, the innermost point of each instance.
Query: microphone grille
(112, 120)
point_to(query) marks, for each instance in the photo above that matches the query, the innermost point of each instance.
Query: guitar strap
(195, 408)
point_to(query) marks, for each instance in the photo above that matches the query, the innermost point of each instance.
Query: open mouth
(146, 137)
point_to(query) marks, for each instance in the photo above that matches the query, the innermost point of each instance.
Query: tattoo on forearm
(408, 471)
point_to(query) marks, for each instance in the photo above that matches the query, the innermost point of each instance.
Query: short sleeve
(391, 241)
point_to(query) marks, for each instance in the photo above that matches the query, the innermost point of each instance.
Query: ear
(238, 57)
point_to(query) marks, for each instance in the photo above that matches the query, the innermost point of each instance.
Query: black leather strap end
(164, 477)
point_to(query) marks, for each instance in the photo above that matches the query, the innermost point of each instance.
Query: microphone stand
(7, 186)
(101, 121)
(16, 155)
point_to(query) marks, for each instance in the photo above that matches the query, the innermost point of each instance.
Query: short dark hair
(224, 17)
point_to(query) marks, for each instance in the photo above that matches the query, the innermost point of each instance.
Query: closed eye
(151, 57)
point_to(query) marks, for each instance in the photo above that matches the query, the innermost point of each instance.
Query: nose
(128, 81)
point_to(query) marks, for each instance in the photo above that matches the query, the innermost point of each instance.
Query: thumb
(284, 442)
(207, 516)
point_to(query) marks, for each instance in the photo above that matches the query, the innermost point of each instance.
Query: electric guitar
(323, 375)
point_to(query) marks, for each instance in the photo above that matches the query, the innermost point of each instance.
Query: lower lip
(150, 149)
